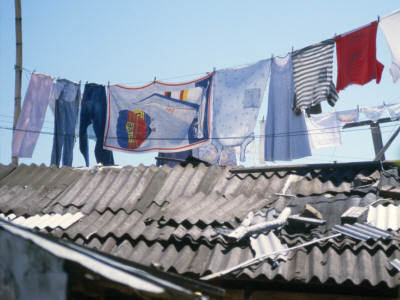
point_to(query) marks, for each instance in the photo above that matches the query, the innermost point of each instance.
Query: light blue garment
(210, 154)
(66, 96)
(237, 97)
(286, 132)
(31, 118)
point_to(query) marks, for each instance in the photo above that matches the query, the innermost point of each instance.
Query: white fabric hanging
(393, 110)
(373, 113)
(165, 117)
(324, 131)
(31, 118)
(261, 145)
(390, 25)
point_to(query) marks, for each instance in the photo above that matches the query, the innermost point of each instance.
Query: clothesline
(214, 69)
(135, 119)
(307, 132)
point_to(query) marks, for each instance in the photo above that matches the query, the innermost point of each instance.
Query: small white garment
(373, 113)
(390, 25)
(31, 118)
(324, 131)
(237, 97)
(347, 116)
(261, 145)
(393, 110)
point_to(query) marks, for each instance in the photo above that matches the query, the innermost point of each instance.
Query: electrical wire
(287, 134)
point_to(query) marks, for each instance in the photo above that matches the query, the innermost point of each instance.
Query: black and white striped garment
(312, 70)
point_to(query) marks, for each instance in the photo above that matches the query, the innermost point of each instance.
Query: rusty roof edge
(391, 163)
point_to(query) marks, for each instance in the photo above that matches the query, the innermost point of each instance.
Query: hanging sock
(356, 57)
(237, 97)
(31, 118)
(390, 25)
(324, 131)
(286, 133)
(312, 69)
(66, 96)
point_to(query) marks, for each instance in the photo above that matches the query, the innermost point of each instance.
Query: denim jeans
(93, 111)
(66, 96)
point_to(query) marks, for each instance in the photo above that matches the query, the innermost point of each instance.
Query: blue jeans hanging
(67, 95)
(93, 111)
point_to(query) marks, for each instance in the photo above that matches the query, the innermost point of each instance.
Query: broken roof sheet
(167, 216)
(44, 221)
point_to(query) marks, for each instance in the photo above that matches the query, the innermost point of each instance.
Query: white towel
(390, 26)
(324, 131)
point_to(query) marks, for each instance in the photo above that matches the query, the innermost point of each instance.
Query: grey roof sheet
(166, 215)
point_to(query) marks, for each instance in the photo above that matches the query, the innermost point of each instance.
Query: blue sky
(131, 42)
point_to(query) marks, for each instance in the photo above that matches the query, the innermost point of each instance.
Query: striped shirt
(312, 69)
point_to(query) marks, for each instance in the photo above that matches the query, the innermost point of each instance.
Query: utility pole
(18, 67)
(376, 135)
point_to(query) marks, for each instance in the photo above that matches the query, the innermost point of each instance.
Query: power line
(286, 134)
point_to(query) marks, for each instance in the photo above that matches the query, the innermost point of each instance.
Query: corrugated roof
(384, 217)
(362, 232)
(145, 282)
(263, 244)
(45, 221)
(166, 216)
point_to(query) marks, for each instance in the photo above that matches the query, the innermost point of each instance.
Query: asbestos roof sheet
(146, 283)
(167, 216)
(45, 221)
(384, 217)
(363, 232)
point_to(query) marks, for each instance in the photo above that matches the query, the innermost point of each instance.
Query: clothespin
(34, 70)
(214, 69)
(384, 104)
(358, 108)
(292, 49)
(272, 55)
(379, 18)
(108, 84)
(87, 82)
(154, 82)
